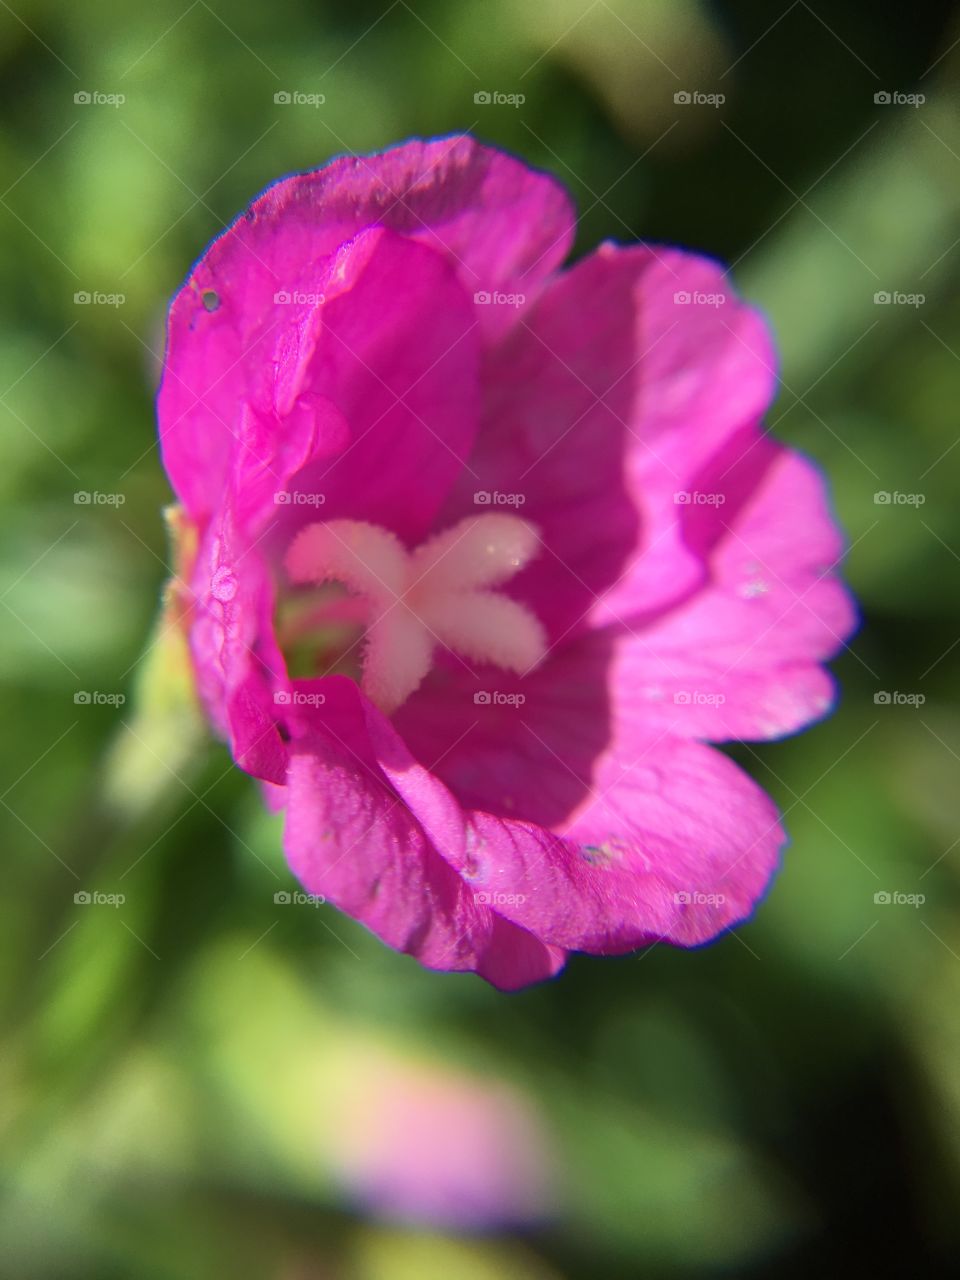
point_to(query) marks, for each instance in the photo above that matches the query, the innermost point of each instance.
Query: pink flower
(430, 1145)
(488, 551)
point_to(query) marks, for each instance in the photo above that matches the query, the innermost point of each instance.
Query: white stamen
(435, 595)
(481, 551)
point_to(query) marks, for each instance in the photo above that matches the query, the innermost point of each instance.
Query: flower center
(411, 602)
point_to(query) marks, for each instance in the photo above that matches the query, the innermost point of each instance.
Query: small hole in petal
(210, 299)
(601, 855)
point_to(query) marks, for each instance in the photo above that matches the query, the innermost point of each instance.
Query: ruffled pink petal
(602, 406)
(676, 845)
(496, 223)
(235, 656)
(398, 356)
(708, 376)
(360, 401)
(670, 842)
(521, 747)
(350, 837)
(741, 659)
(504, 226)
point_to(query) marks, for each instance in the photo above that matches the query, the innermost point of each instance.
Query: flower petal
(234, 651)
(498, 224)
(741, 659)
(398, 355)
(350, 837)
(604, 403)
(675, 844)
(665, 840)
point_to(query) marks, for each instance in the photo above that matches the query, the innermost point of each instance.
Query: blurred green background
(201, 1083)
